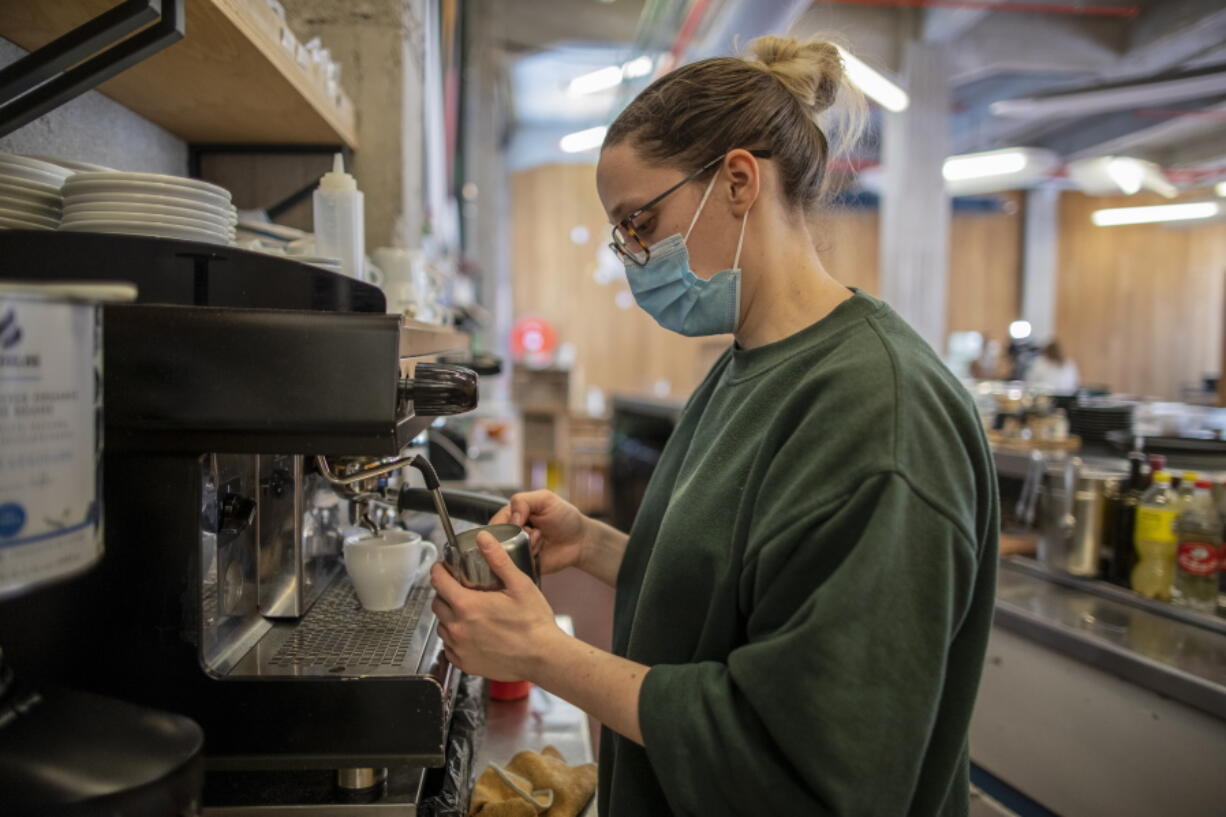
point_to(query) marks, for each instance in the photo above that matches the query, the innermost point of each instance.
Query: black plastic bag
(449, 788)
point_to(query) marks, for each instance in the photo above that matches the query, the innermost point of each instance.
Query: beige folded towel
(534, 784)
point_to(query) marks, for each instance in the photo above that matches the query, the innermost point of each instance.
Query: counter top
(1012, 462)
(532, 723)
(1169, 651)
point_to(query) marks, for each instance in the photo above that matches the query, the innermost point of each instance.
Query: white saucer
(29, 189)
(49, 222)
(154, 179)
(21, 224)
(21, 205)
(145, 228)
(151, 212)
(73, 199)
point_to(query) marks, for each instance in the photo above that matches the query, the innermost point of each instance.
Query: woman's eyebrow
(619, 212)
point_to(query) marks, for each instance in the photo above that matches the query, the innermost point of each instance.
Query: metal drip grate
(337, 635)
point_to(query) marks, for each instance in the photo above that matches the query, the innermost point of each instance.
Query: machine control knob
(237, 514)
(440, 389)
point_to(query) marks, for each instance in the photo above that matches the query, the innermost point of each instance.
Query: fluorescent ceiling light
(610, 76)
(582, 140)
(1111, 175)
(994, 171)
(1150, 215)
(638, 67)
(874, 85)
(595, 81)
(982, 165)
(1126, 173)
(1221, 189)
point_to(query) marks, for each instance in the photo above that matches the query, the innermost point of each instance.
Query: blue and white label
(49, 354)
(12, 520)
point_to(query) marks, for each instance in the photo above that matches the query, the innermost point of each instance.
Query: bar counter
(1163, 650)
(532, 723)
(1096, 701)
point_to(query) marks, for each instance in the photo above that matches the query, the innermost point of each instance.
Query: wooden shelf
(418, 339)
(228, 81)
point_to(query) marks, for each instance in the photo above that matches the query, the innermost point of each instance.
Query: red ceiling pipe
(685, 33)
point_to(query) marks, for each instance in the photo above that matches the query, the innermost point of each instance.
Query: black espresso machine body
(221, 594)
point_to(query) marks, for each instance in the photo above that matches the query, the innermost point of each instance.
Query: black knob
(237, 514)
(440, 389)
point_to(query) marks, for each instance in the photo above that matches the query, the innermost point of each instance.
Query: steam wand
(432, 485)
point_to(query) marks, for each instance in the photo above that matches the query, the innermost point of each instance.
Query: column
(486, 209)
(1040, 250)
(915, 210)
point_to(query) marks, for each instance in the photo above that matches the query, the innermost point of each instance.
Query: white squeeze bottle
(340, 223)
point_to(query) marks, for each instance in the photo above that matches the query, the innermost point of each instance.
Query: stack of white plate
(30, 197)
(148, 204)
(323, 262)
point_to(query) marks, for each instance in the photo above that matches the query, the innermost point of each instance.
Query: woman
(1052, 372)
(804, 601)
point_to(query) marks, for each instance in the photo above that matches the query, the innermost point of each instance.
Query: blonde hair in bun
(787, 96)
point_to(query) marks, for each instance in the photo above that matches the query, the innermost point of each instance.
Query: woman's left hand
(498, 634)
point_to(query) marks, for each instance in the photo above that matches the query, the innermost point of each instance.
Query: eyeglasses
(627, 243)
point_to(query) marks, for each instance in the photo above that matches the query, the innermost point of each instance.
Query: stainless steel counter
(533, 723)
(1167, 651)
(1013, 463)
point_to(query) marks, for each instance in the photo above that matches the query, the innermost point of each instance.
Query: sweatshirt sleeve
(850, 611)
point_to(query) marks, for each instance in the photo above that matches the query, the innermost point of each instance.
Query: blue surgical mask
(668, 290)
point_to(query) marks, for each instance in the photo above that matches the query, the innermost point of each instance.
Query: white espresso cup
(384, 567)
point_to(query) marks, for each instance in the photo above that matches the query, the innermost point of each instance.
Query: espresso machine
(258, 409)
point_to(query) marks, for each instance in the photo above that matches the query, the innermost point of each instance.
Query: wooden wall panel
(1140, 308)
(985, 260)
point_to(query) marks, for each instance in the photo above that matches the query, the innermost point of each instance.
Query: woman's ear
(743, 180)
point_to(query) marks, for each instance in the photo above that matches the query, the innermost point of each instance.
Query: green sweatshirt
(810, 578)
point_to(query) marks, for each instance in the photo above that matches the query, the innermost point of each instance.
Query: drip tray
(337, 638)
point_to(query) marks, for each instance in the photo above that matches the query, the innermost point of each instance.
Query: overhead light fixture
(995, 171)
(595, 81)
(1150, 215)
(1112, 175)
(982, 165)
(1126, 173)
(1220, 189)
(582, 140)
(874, 85)
(638, 67)
(610, 76)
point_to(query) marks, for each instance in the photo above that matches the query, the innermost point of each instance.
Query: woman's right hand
(558, 530)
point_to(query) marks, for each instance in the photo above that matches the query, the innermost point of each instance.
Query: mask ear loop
(736, 260)
(701, 205)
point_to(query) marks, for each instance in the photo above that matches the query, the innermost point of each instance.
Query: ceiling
(1020, 52)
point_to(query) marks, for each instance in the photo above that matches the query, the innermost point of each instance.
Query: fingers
(524, 505)
(446, 586)
(443, 612)
(500, 562)
(503, 516)
(534, 541)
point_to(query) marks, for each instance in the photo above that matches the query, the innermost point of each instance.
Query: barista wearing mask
(804, 601)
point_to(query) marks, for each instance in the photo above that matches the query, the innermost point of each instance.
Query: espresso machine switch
(440, 389)
(237, 514)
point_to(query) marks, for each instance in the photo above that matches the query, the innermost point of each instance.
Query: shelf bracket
(86, 57)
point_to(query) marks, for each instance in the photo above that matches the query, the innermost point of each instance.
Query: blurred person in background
(1053, 372)
(804, 601)
(987, 366)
